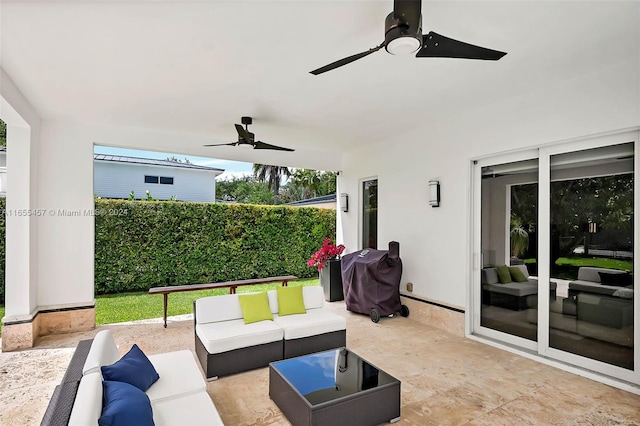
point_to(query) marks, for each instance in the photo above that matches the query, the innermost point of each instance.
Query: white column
(23, 126)
(21, 274)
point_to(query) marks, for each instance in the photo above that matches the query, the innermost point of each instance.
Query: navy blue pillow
(124, 404)
(133, 368)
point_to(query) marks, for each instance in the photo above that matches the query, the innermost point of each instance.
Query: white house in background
(115, 176)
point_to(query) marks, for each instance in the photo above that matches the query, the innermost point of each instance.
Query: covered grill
(371, 282)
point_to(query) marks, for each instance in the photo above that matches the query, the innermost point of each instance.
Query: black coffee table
(334, 387)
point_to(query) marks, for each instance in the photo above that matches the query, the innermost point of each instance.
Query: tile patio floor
(446, 379)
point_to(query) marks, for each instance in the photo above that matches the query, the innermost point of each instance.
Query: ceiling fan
(246, 138)
(403, 36)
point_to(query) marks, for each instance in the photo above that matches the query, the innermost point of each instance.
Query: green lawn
(136, 306)
(124, 307)
(567, 267)
(599, 262)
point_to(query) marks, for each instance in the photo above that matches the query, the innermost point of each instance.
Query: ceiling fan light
(404, 45)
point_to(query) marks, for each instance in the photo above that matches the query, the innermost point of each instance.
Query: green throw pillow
(517, 275)
(255, 307)
(504, 276)
(290, 300)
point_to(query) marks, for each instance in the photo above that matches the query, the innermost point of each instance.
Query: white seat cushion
(218, 337)
(103, 351)
(87, 407)
(314, 322)
(179, 376)
(195, 409)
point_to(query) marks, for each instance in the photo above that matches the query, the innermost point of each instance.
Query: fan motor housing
(252, 138)
(395, 28)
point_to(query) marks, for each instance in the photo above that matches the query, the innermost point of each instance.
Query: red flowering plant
(328, 251)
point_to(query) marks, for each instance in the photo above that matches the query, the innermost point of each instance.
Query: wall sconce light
(344, 202)
(434, 193)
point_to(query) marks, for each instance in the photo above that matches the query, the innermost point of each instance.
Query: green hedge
(144, 244)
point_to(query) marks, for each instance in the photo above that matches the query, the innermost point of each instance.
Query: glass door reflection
(370, 214)
(591, 212)
(509, 215)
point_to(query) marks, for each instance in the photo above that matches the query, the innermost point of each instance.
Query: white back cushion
(313, 297)
(489, 276)
(524, 270)
(590, 273)
(218, 308)
(103, 351)
(273, 301)
(227, 306)
(87, 407)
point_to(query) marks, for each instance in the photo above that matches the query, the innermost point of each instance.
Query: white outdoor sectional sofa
(226, 345)
(608, 301)
(593, 309)
(512, 295)
(180, 392)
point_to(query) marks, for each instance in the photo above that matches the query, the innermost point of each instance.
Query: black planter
(331, 280)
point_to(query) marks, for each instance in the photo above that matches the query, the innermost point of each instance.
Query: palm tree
(272, 175)
(519, 237)
(308, 179)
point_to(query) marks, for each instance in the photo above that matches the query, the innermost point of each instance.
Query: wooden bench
(231, 284)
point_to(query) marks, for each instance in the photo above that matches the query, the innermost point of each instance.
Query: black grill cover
(371, 279)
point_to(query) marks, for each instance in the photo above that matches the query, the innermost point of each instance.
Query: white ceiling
(197, 67)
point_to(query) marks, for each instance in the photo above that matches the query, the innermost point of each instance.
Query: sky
(231, 168)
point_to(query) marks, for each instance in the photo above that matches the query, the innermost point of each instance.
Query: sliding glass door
(591, 231)
(509, 214)
(564, 217)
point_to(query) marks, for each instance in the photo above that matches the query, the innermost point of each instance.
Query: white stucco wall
(117, 180)
(435, 242)
(65, 249)
(65, 243)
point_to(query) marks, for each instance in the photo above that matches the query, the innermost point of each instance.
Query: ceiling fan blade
(222, 144)
(242, 133)
(435, 45)
(346, 61)
(262, 145)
